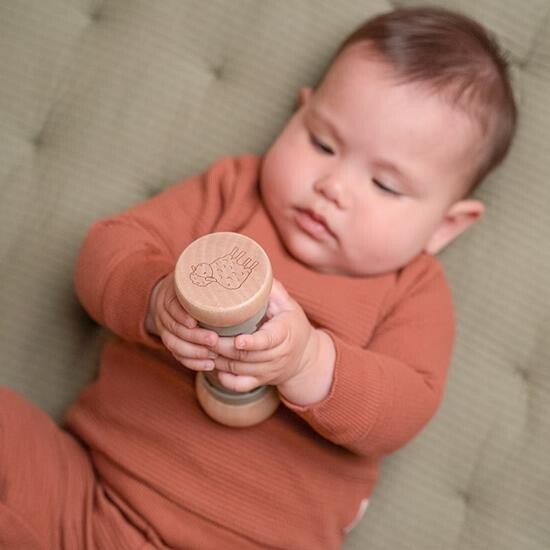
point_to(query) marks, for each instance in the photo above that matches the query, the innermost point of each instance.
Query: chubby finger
(234, 366)
(184, 348)
(279, 292)
(279, 300)
(196, 364)
(238, 383)
(196, 335)
(176, 311)
(269, 336)
(168, 301)
(226, 348)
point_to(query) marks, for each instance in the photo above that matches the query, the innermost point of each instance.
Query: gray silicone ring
(234, 398)
(223, 394)
(246, 327)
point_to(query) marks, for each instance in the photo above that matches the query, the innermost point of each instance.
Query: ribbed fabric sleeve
(123, 256)
(381, 397)
(298, 479)
(116, 269)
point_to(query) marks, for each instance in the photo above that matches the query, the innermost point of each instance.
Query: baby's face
(361, 178)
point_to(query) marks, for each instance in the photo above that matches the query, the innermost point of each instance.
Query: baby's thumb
(173, 305)
(279, 300)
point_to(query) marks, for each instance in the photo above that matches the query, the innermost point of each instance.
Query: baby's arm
(369, 400)
(119, 263)
(287, 352)
(381, 397)
(125, 255)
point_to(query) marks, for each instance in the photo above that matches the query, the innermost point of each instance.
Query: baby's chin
(317, 258)
(312, 255)
(315, 255)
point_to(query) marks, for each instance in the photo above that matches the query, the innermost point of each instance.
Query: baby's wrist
(150, 325)
(311, 352)
(312, 383)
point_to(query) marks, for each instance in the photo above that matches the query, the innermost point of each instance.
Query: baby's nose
(332, 188)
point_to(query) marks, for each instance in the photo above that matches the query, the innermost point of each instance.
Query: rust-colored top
(297, 479)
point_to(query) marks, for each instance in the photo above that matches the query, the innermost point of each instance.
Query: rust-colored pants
(50, 497)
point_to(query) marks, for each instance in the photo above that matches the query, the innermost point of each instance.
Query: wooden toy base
(236, 410)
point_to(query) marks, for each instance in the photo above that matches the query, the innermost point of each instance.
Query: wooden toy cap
(241, 413)
(223, 279)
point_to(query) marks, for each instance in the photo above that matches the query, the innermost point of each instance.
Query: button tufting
(525, 374)
(465, 496)
(218, 71)
(96, 15)
(38, 139)
(522, 373)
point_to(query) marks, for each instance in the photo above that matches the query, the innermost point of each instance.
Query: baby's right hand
(179, 332)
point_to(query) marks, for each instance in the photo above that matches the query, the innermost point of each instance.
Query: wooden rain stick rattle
(223, 280)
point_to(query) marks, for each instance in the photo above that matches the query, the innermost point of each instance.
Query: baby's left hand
(278, 351)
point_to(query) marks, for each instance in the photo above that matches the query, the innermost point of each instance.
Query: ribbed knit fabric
(296, 480)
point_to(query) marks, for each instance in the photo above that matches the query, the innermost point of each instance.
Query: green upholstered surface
(104, 103)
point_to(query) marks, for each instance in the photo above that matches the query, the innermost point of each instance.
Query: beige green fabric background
(104, 103)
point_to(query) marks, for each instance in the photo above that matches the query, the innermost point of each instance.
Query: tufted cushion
(103, 104)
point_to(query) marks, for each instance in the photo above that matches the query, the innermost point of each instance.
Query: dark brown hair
(456, 57)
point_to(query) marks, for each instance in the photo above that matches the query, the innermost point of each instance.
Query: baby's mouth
(313, 223)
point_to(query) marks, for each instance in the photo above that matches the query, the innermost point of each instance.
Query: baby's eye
(386, 189)
(320, 146)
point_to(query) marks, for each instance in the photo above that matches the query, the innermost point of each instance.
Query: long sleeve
(382, 395)
(123, 256)
(392, 336)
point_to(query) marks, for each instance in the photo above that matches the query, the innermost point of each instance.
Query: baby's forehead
(367, 69)
(405, 122)
(358, 57)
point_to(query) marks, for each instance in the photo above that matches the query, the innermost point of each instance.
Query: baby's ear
(459, 217)
(303, 95)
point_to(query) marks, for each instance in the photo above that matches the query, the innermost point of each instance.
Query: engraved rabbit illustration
(229, 271)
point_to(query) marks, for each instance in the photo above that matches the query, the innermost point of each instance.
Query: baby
(369, 179)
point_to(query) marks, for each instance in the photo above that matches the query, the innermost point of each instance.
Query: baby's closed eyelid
(320, 145)
(385, 189)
